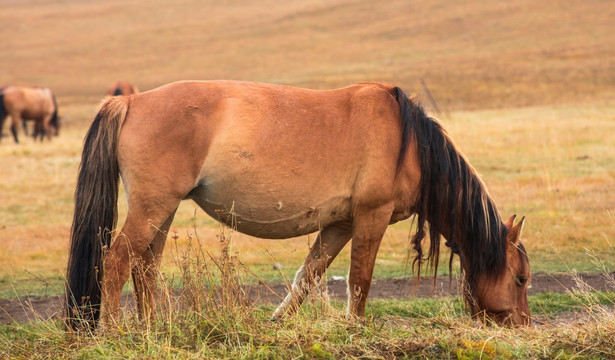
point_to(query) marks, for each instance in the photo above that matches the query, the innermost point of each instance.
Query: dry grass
(475, 54)
(556, 171)
(210, 316)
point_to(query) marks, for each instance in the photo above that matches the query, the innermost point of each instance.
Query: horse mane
(452, 193)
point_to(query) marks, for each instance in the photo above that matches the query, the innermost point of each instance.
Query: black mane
(450, 193)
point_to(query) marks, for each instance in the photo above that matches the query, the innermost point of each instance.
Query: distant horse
(280, 162)
(30, 103)
(122, 88)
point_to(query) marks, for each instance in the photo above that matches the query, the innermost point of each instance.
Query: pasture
(525, 89)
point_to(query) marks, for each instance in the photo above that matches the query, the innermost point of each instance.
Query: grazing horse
(279, 162)
(122, 88)
(30, 103)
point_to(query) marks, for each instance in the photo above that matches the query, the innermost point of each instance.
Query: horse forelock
(452, 199)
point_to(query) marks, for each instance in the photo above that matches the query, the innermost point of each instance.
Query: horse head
(503, 298)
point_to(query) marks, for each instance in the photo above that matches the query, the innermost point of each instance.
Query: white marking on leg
(354, 296)
(297, 287)
(348, 295)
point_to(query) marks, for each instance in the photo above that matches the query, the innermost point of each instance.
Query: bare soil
(46, 307)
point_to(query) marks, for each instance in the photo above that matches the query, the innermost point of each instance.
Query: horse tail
(95, 214)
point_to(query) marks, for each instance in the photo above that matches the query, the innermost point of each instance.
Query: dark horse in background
(23, 103)
(280, 162)
(122, 88)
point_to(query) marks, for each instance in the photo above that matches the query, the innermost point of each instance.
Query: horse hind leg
(145, 273)
(140, 231)
(330, 241)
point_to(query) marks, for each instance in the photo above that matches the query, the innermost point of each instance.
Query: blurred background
(471, 54)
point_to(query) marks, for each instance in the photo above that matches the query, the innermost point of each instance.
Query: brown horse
(30, 103)
(122, 88)
(284, 162)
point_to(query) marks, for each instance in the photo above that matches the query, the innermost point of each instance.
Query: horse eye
(521, 280)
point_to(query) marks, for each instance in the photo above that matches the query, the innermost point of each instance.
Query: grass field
(557, 171)
(525, 88)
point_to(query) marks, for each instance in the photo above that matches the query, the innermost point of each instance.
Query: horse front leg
(25, 127)
(16, 120)
(368, 230)
(40, 130)
(46, 128)
(330, 241)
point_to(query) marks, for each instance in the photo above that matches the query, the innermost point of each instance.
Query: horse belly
(269, 213)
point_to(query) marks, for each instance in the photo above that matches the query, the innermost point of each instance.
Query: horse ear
(515, 232)
(511, 220)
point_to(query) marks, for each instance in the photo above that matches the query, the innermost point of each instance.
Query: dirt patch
(32, 308)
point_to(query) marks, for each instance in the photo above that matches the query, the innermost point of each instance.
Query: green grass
(420, 328)
(193, 321)
(29, 285)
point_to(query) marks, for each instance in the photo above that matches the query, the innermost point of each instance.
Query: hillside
(472, 54)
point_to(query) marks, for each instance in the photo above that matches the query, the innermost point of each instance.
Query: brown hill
(472, 54)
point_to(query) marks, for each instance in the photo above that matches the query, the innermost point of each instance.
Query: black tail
(95, 215)
(451, 193)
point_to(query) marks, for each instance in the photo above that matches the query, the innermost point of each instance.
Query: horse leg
(36, 129)
(39, 130)
(2, 118)
(367, 233)
(16, 120)
(145, 273)
(328, 244)
(143, 222)
(46, 128)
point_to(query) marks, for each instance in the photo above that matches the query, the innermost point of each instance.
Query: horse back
(294, 125)
(30, 102)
